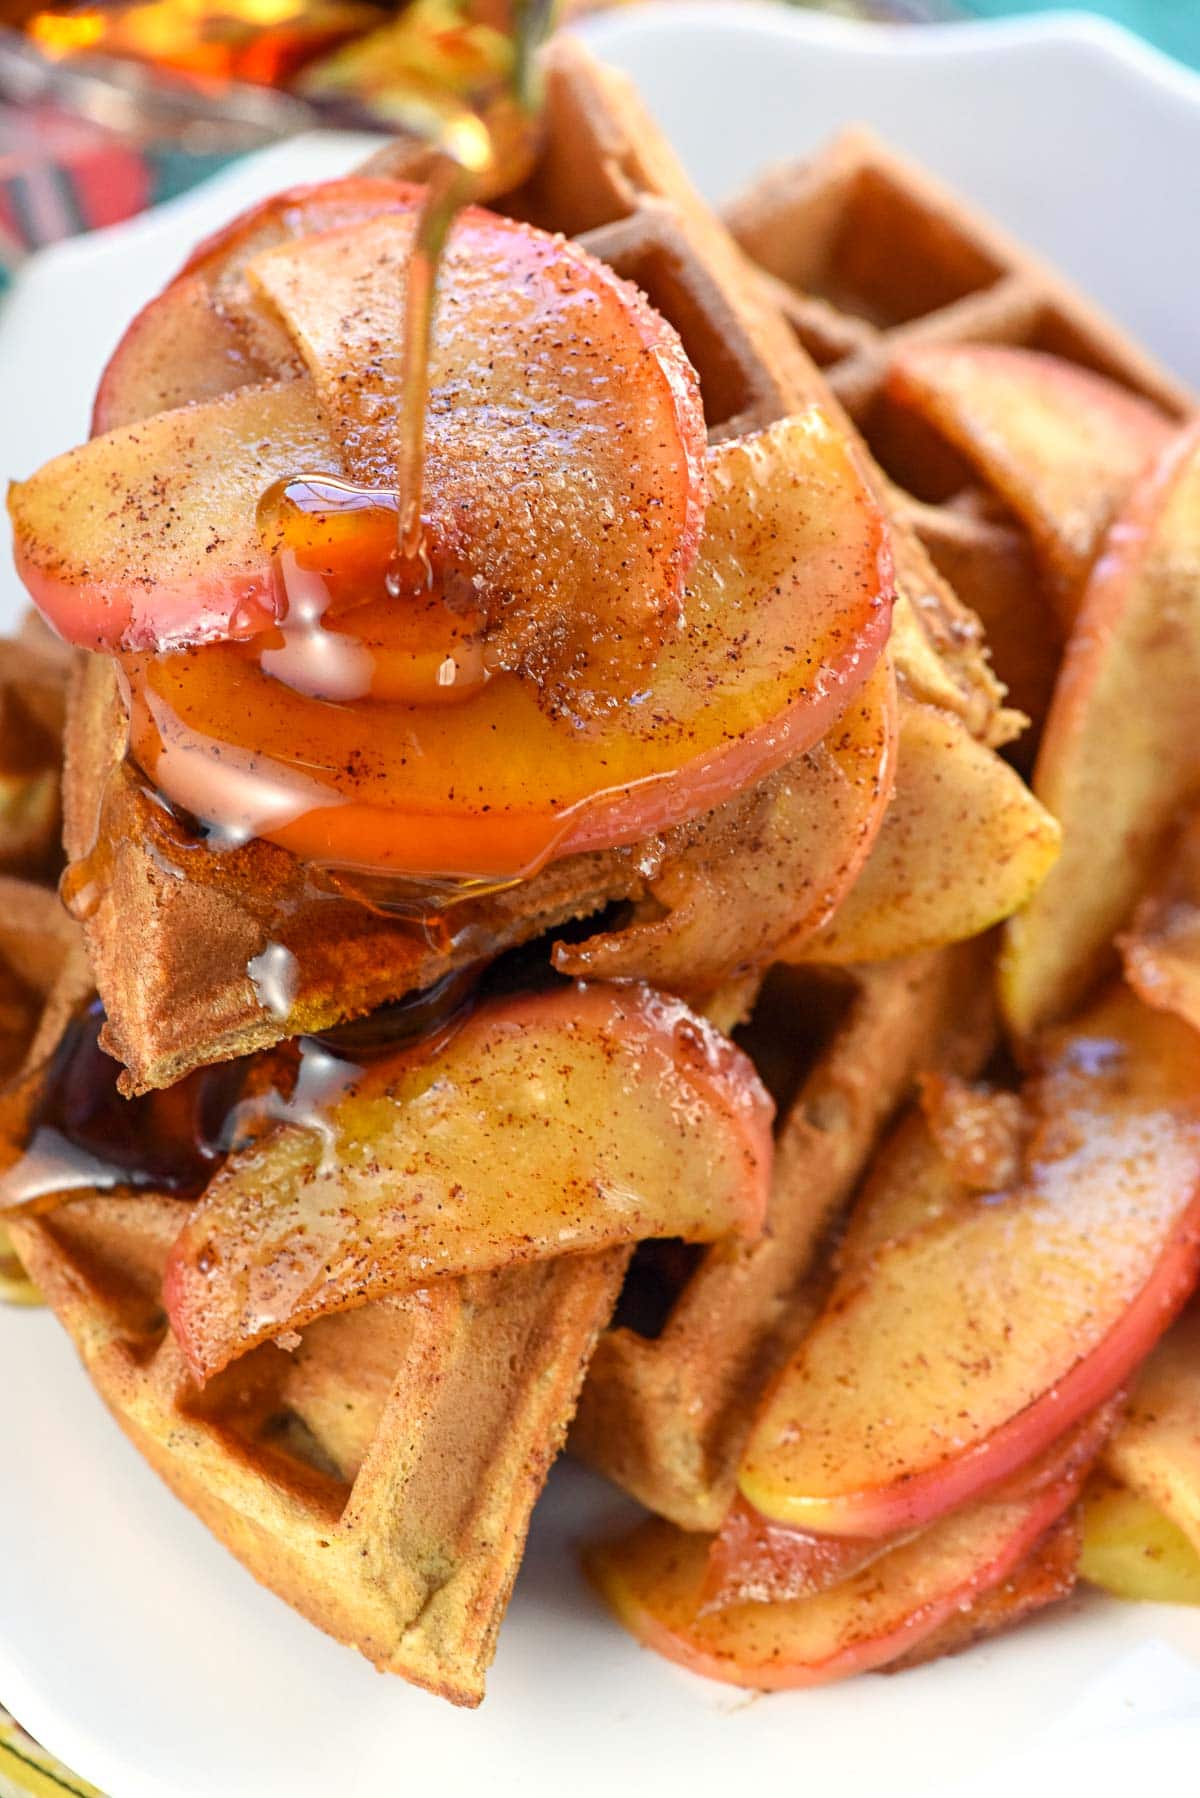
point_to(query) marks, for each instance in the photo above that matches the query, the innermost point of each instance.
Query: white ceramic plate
(129, 1641)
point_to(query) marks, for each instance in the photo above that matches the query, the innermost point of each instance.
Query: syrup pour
(84, 1137)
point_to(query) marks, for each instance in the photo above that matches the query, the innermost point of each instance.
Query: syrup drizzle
(83, 1137)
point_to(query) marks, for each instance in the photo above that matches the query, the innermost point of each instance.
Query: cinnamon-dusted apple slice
(787, 612)
(654, 1580)
(1156, 1452)
(957, 1354)
(760, 1561)
(1119, 754)
(789, 854)
(1161, 948)
(1132, 1549)
(754, 1560)
(564, 479)
(962, 845)
(203, 335)
(544, 1126)
(1062, 445)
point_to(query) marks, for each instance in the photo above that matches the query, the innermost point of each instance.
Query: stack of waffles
(380, 1475)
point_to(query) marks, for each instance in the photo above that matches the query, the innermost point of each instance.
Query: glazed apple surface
(1118, 758)
(787, 612)
(544, 1126)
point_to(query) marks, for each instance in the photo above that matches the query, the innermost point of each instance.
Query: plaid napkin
(27, 1772)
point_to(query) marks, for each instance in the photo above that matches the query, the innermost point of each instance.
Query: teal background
(1173, 25)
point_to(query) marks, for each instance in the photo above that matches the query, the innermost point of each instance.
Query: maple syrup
(82, 1136)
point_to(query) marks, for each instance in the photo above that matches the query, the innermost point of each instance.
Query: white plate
(129, 1642)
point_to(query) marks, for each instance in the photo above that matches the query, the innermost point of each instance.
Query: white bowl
(129, 1641)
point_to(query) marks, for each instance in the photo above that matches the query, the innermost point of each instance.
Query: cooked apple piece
(1046, 1575)
(957, 1354)
(566, 474)
(1133, 1551)
(756, 1560)
(1119, 756)
(785, 860)
(1156, 1452)
(204, 335)
(544, 1126)
(787, 614)
(565, 478)
(1161, 948)
(909, 1185)
(654, 1581)
(1060, 444)
(962, 845)
(179, 349)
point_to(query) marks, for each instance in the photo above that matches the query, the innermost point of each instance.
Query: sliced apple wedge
(1156, 1451)
(957, 1354)
(784, 861)
(203, 335)
(544, 1126)
(149, 533)
(962, 845)
(755, 1560)
(1119, 756)
(1133, 1550)
(1062, 445)
(1161, 948)
(787, 613)
(565, 478)
(654, 1580)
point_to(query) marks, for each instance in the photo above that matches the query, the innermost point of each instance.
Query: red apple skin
(755, 1560)
(1118, 1054)
(209, 354)
(614, 1114)
(654, 1581)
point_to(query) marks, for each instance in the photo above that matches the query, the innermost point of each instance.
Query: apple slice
(962, 845)
(957, 1354)
(544, 1126)
(149, 533)
(1062, 445)
(564, 477)
(1119, 756)
(1131, 1549)
(787, 614)
(654, 1580)
(1161, 948)
(754, 1560)
(1156, 1452)
(1047, 1574)
(785, 857)
(204, 335)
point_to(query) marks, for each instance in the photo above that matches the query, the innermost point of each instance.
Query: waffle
(34, 667)
(666, 1407)
(865, 254)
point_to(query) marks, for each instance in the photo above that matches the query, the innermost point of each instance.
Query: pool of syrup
(84, 1137)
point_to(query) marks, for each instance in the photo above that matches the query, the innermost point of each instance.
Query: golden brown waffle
(666, 1409)
(381, 1477)
(866, 254)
